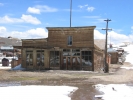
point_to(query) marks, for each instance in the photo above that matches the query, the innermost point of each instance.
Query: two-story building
(66, 48)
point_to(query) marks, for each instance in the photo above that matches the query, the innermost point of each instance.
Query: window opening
(69, 40)
(66, 52)
(54, 58)
(29, 58)
(76, 52)
(40, 57)
(86, 58)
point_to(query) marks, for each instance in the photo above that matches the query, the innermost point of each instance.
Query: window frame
(56, 55)
(69, 40)
(87, 56)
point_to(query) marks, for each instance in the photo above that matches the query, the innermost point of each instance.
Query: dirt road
(84, 80)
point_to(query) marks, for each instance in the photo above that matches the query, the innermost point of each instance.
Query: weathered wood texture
(114, 57)
(98, 61)
(81, 37)
(35, 43)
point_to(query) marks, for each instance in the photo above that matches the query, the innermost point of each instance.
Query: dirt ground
(84, 80)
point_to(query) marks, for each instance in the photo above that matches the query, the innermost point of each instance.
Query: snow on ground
(118, 91)
(129, 56)
(18, 68)
(129, 50)
(36, 92)
(128, 68)
(5, 67)
(115, 92)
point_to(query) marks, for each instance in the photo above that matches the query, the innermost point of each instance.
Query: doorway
(71, 63)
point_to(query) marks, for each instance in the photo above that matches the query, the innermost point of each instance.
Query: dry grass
(116, 75)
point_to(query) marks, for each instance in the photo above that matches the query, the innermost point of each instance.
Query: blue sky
(29, 18)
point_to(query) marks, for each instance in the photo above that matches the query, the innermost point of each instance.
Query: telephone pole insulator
(106, 66)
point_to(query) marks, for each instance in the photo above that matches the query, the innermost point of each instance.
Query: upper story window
(69, 40)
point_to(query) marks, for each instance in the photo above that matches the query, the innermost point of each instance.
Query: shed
(114, 55)
(5, 62)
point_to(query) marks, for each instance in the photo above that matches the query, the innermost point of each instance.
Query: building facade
(66, 48)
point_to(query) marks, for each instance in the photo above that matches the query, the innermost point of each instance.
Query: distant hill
(10, 41)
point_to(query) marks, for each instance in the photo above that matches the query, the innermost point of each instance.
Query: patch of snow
(18, 68)
(129, 55)
(36, 92)
(5, 67)
(127, 68)
(129, 50)
(115, 92)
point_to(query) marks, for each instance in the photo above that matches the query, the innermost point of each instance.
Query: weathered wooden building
(66, 48)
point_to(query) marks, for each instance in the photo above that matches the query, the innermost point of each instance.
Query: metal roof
(6, 47)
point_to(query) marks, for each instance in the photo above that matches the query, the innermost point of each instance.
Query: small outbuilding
(5, 62)
(114, 55)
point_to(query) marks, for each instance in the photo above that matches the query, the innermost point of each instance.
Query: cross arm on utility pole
(106, 29)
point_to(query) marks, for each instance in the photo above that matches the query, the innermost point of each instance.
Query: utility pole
(70, 11)
(106, 68)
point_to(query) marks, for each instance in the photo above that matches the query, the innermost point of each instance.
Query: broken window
(54, 58)
(40, 57)
(86, 58)
(69, 40)
(76, 52)
(29, 58)
(66, 52)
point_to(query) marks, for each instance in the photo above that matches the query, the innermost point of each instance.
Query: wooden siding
(98, 61)
(114, 57)
(82, 37)
(34, 43)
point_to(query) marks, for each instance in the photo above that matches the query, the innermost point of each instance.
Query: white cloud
(118, 38)
(86, 5)
(46, 8)
(30, 19)
(41, 8)
(114, 37)
(98, 35)
(132, 27)
(30, 34)
(91, 16)
(24, 19)
(90, 9)
(100, 20)
(82, 6)
(7, 19)
(2, 29)
(39, 32)
(43, 33)
(33, 10)
(1, 4)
